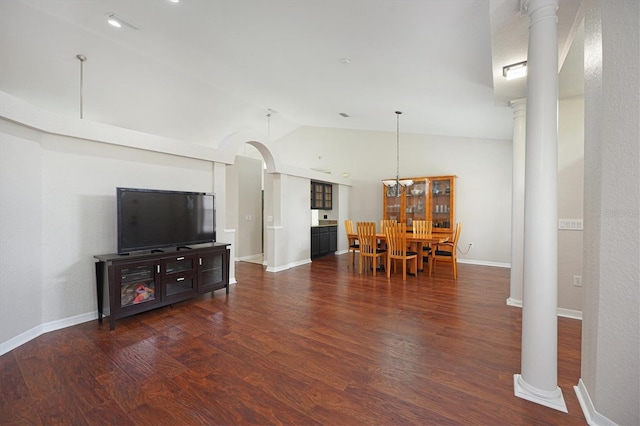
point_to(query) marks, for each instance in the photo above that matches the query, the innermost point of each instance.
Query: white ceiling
(200, 69)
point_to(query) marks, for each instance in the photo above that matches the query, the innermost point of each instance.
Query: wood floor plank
(315, 344)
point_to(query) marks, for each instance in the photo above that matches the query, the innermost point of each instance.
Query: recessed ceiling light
(174, 1)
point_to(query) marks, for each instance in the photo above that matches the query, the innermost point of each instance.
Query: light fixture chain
(81, 58)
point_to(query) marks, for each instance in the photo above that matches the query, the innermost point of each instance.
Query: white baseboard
(39, 330)
(570, 313)
(250, 258)
(288, 266)
(562, 312)
(514, 302)
(485, 263)
(593, 417)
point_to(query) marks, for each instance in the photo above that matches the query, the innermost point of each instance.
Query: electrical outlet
(577, 280)
(470, 244)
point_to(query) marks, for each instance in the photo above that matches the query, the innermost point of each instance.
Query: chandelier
(395, 185)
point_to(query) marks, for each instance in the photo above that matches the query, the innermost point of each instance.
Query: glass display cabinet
(428, 198)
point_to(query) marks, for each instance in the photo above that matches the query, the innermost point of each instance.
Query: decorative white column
(519, 108)
(538, 381)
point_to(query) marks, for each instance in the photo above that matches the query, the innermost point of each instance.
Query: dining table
(416, 241)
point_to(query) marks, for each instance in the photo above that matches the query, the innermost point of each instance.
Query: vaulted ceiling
(197, 70)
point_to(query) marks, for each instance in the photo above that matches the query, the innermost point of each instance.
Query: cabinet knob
(180, 258)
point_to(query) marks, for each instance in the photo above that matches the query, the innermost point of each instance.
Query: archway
(251, 201)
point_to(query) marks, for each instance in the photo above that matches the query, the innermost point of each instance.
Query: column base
(553, 399)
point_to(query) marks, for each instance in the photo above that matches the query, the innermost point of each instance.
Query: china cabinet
(428, 198)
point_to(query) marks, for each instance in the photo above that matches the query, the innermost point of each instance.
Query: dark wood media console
(145, 281)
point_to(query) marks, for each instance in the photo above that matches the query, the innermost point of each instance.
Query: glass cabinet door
(442, 203)
(137, 284)
(210, 270)
(416, 201)
(393, 204)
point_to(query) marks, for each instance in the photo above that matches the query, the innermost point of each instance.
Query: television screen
(152, 219)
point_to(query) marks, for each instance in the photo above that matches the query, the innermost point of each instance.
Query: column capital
(519, 107)
(540, 9)
(531, 6)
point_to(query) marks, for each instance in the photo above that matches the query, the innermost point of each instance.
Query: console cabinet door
(136, 289)
(179, 277)
(211, 270)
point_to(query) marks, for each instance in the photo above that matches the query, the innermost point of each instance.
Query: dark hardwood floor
(316, 344)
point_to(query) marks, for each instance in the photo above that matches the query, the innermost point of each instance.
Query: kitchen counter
(324, 222)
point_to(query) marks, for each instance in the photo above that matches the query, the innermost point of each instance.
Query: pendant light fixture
(397, 184)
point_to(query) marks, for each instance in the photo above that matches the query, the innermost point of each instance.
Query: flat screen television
(151, 219)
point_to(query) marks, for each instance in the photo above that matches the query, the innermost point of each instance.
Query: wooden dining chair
(369, 251)
(396, 236)
(352, 242)
(447, 252)
(424, 227)
(385, 222)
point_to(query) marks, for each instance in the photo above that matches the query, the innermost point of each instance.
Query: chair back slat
(422, 227)
(385, 222)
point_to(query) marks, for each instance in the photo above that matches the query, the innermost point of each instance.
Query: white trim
(562, 312)
(514, 302)
(250, 258)
(570, 313)
(39, 330)
(553, 399)
(591, 415)
(485, 263)
(289, 266)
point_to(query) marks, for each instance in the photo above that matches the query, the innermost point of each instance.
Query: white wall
(59, 210)
(610, 374)
(21, 239)
(249, 194)
(570, 199)
(483, 167)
